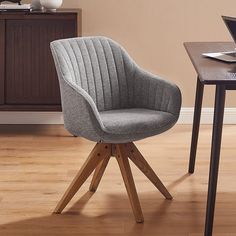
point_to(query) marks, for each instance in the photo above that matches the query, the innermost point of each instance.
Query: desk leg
(196, 123)
(215, 157)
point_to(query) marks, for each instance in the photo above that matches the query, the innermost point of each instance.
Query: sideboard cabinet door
(2, 60)
(30, 72)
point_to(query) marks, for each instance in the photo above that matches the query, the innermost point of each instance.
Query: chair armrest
(81, 117)
(154, 93)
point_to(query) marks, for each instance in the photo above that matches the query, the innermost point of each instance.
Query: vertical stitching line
(162, 96)
(77, 63)
(155, 102)
(69, 58)
(92, 71)
(99, 67)
(119, 89)
(126, 79)
(84, 67)
(150, 102)
(107, 71)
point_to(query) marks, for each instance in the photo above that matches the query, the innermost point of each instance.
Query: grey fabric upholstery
(107, 97)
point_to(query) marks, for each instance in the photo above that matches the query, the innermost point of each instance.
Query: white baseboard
(186, 117)
(13, 117)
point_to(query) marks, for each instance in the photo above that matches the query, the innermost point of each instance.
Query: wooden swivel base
(98, 159)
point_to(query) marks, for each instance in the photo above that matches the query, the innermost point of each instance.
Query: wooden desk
(223, 76)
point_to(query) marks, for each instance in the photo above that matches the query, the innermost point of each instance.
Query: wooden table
(223, 76)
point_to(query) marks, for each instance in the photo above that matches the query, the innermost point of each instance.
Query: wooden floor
(37, 163)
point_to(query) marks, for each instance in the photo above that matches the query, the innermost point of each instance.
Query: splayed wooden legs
(99, 152)
(98, 160)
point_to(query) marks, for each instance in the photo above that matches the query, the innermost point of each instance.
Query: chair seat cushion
(136, 122)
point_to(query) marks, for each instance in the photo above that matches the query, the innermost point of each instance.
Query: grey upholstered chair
(108, 99)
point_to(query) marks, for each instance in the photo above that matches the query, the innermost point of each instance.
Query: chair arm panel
(154, 93)
(81, 116)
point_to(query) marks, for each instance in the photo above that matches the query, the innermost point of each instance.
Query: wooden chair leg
(99, 152)
(123, 162)
(97, 176)
(142, 164)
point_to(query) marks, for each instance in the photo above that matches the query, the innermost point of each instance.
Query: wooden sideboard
(28, 80)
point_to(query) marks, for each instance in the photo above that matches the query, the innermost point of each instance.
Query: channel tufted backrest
(99, 66)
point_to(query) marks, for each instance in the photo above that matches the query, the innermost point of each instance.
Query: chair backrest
(99, 66)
